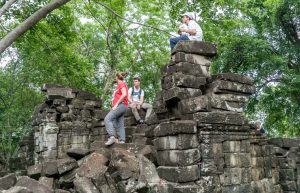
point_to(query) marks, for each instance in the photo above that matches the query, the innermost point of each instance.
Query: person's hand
(114, 107)
(133, 105)
(138, 107)
(182, 30)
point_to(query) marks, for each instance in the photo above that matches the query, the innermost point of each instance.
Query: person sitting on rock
(260, 129)
(192, 32)
(136, 101)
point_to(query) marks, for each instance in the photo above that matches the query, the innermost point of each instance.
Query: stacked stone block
(286, 165)
(202, 131)
(64, 121)
(73, 119)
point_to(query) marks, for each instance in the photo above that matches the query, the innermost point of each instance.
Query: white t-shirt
(135, 98)
(199, 33)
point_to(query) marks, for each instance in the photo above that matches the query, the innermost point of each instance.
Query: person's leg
(120, 123)
(109, 120)
(135, 112)
(109, 123)
(149, 108)
(175, 40)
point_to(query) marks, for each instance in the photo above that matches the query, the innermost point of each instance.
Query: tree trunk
(6, 6)
(30, 22)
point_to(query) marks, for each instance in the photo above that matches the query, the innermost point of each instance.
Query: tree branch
(134, 22)
(30, 22)
(6, 6)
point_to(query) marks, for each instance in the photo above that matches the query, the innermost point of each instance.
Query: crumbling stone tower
(203, 141)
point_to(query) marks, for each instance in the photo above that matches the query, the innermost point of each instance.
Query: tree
(6, 6)
(29, 22)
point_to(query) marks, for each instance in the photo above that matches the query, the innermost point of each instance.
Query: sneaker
(110, 141)
(141, 121)
(121, 142)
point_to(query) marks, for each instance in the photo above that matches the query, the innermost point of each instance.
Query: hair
(121, 75)
(137, 78)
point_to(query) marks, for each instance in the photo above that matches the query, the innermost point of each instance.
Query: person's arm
(129, 96)
(189, 31)
(124, 94)
(142, 99)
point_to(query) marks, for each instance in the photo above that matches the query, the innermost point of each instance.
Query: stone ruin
(197, 140)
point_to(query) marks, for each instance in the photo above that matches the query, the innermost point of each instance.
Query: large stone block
(92, 165)
(230, 118)
(231, 176)
(7, 181)
(126, 163)
(177, 94)
(57, 93)
(188, 68)
(86, 95)
(33, 185)
(148, 173)
(182, 141)
(17, 189)
(34, 171)
(190, 58)
(227, 87)
(228, 102)
(233, 77)
(66, 164)
(178, 157)
(256, 150)
(257, 174)
(212, 167)
(47, 181)
(286, 175)
(85, 185)
(196, 47)
(175, 127)
(182, 80)
(264, 185)
(188, 189)
(191, 105)
(50, 168)
(179, 174)
(237, 160)
(289, 186)
(223, 128)
(257, 162)
(100, 114)
(284, 142)
(105, 183)
(211, 150)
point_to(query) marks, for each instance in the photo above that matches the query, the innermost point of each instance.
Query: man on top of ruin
(192, 31)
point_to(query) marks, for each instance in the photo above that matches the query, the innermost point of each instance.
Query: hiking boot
(110, 141)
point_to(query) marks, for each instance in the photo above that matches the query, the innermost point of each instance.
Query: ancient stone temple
(197, 140)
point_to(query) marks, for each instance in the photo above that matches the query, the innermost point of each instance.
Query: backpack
(140, 92)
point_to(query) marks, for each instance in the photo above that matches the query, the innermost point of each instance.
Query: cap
(189, 14)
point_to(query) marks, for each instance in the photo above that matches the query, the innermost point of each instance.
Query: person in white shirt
(192, 32)
(136, 101)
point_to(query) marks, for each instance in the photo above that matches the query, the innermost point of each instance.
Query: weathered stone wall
(70, 119)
